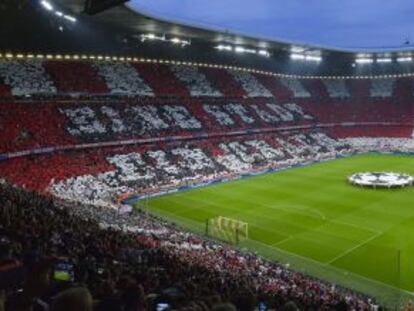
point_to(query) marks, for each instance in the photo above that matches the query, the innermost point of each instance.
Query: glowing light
(47, 5)
(384, 60)
(364, 60)
(313, 58)
(70, 18)
(297, 56)
(404, 59)
(221, 47)
(263, 53)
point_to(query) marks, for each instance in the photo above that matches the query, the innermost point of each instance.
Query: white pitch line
(283, 240)
(350, 250)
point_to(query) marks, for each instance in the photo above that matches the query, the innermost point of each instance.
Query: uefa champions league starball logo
(381, 179)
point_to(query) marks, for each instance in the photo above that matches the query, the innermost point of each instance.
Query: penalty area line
(350, 250)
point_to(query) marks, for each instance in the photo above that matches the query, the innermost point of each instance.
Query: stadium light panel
(239, 49)
(70, 18)
(295, 56)
(384, 60)
(180, 41)
(152, 37)
(263, 53)
(47, 5)
(221, 47)
(404, 59)
(297, 49)
(313, 58)
(364, 61)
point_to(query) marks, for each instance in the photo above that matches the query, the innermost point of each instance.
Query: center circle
(381, 179)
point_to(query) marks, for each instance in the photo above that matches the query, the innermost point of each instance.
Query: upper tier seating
(336, 88)
(296, 88)
(382, 87)
(26, 78)
(175, 100)
(250, 84)
(195, 81)
(76, 77)
(225, 82)
(162, 80)
(123, 79)
(22, 78)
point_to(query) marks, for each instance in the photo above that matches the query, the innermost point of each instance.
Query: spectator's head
(341, 306)
(77, 298)
(224, 307)
(290, 306)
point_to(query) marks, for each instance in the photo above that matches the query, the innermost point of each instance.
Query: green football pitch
(312, 219)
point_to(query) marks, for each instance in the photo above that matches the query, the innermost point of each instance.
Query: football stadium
(151, 162)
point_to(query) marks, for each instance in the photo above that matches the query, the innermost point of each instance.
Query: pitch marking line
(350, 250)
(283, 240)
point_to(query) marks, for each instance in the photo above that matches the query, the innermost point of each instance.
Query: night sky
(334, 23)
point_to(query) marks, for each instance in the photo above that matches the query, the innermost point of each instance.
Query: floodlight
(46, 5)
(384, 60)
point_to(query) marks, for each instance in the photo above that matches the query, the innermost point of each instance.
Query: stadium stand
(278, 89)
(72, 77)
(250, 84)
(195, 81)
(123, 79)
(225, 82)
(296, 88)
(26, 78)
(336, 88)
(161, 79)
(382, 87)
(92, 132)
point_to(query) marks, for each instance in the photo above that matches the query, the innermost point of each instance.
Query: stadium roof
(140, 21)
(33, 27)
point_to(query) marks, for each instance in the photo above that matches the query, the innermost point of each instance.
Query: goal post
(227, 229)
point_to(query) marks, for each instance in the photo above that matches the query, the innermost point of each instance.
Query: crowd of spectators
(178, 164)
(35, 77)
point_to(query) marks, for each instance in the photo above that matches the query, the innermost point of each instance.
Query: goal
(227, 229)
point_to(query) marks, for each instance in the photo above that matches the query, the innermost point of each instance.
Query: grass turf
(314, 213)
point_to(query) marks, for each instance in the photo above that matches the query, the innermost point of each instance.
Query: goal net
(227, 229)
